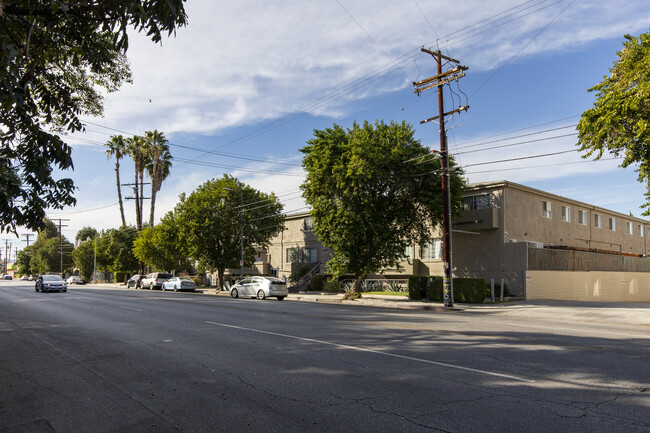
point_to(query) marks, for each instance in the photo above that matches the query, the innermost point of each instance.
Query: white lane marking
(84, 300)
(378, 352)
(129, 308)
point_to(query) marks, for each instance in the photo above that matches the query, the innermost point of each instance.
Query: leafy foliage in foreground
(619, 121)
(57, 59)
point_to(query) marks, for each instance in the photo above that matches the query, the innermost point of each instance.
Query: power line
(521, 49)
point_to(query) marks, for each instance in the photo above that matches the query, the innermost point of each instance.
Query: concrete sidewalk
(636, 314)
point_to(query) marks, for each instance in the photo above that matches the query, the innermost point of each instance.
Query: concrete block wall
(588, 286)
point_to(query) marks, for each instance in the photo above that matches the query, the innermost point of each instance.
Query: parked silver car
(154, 280)
(260, 288)
(179, 283)
(48, 283)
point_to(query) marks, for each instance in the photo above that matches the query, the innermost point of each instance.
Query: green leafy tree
(57, 60)
(211, 218)
(369, 198)
(118, 248)
(619, 121)
(84, 259)
(158, 165)
(160, 247)
(46, 254)
(117, 147)
(24, 261)
(85, 234)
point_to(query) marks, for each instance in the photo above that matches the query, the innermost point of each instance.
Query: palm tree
(137, 148)
(158, 165)
(116, 147)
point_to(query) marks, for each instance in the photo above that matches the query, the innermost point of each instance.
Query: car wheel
(151, 286)
(234, 293)
(175, 288)
(260, 294)
(280, 298)
(36, 288)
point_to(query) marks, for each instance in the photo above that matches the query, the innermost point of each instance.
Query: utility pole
(60, 242)
(139, 212)
(27, 235)
(439, 81)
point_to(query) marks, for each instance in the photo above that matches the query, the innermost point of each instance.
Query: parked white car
(260, 288)
(74, 279)
(178, 284)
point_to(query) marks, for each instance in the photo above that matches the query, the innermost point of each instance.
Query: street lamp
(241, 231)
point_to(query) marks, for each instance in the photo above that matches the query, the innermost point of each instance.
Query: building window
(566, 213)
(293, 255)
(612, 224)
(432, 249)
(582, 217)
(598, 221)
(310, 255)
(408, 252)
(481, 201)
(547, 209)
(308, 224)
(640, 230)
(629, 228)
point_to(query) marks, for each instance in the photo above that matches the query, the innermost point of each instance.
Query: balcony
(477, 219)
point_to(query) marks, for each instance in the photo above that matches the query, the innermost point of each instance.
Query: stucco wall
(588, 286)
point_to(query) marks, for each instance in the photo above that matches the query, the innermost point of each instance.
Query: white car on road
(260, 288)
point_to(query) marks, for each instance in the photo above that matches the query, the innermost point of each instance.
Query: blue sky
(254, 79)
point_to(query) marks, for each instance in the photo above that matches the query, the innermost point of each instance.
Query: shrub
(435, 289)
(466, 290)
(119, 277)
(417, 287)
(331, 286)
(318, 282)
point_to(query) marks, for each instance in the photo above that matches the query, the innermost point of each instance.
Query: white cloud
(244, 62)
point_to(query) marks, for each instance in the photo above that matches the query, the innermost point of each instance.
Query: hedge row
(466, 290)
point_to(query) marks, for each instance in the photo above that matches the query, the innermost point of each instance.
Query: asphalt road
(115, 360)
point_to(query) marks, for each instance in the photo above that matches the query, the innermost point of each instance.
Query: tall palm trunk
(136, 190)
(119, 191)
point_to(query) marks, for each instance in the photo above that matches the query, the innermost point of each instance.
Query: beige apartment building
(507, 231)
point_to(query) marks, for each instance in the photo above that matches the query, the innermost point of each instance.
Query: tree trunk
(153, 202)
(141, 194)
(220, 275)
(138, 217)
(119, 191)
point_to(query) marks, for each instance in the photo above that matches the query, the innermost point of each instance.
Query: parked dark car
(154, 280)
(134, 281)
(49, 283)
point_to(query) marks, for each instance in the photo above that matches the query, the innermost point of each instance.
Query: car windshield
(164, 276)
(187, 280)
(52, 278)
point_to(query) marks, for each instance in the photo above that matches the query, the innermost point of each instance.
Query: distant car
(24, 278)
(8, 277)
(32, 278)
(179, 284)
(260, 288)
(154, 280)
(74, 279)
(48, 283)
(134, 281)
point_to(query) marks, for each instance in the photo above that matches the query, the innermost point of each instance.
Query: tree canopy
(370, 199)
(160, 247)
(211, 218)
(619, 121)
(57, 59)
